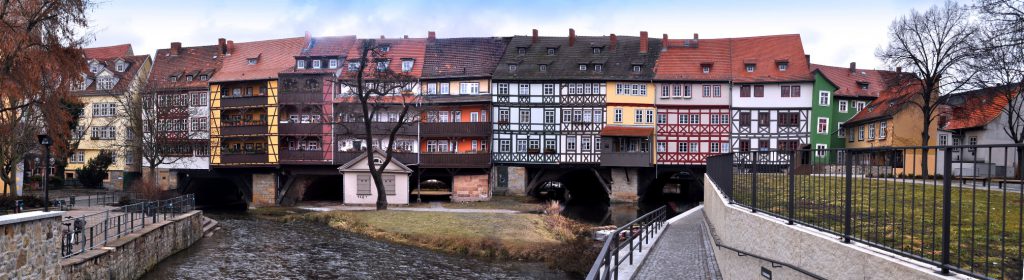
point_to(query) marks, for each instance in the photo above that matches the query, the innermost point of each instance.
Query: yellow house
(629, 121)
(115, 76)
(892, 121)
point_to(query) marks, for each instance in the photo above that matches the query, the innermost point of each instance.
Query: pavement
(433, 208)
(684, 252)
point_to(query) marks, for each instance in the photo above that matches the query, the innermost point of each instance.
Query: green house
(839, 93)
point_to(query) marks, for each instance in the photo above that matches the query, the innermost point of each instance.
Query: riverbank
(552, 239)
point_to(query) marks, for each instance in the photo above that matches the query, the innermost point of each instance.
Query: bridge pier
(624, 184)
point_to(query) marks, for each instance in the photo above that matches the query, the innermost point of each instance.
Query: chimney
(308, 37)
(230, 46)
(853, 67)
(431, 36)
(405, 36)
(899, 69)
(643, 41)
(382, 37)
(695, 37)
(808, 58)
(175, 48)
(223, 46)
(613, 41)
(572, 37)
(534, 37)
(664, 41)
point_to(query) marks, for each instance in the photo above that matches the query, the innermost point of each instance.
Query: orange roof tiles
(398, 49)
(682, 61)
(273, 56)
(979, 107)
(108, 51)
(848, 83)
(766, 52)
(194, 61)
(890, 102)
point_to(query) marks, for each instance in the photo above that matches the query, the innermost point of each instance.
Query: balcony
(626, 159)
(245, 101)
(345, 157)
(301, 98)
(242, 129)
(288, 128)
(452, 160)
(456, 129)
(244, 158)
(379, 128)
(296, 156)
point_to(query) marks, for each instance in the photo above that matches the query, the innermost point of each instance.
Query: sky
(833, 32)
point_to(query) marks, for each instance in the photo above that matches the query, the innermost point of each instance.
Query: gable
(359, 164)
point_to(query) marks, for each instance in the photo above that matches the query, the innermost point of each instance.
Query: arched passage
(213, 193)
(679, 188)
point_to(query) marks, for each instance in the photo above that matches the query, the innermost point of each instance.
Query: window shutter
(758, 91)
(363, 185)
(389, 184)
(744, 91)
(796, 91)
(785, 91)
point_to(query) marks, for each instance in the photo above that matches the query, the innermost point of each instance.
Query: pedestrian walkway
(684, 252)
(411, 209)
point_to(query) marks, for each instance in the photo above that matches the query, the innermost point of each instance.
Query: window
(618, 115)
(549, 116)
(585, 146)
(662, 147)
(717, 91)
(783, 66)
(549, 89)
(549, 145)
(650, 116)
(638, 116)
(524, 115)
(353, 66)
(707, 91)
(820, 150)
(871, 131)
(382, 65)
(744, 145)
(204, 77)
(789, 119)
(745, 119)
(598, 67)
(104, 109)
(631, 89)
(759, 91)
(683, 147)
(823, 98)
(300, 64)
(684, 119)
(744, 91)
(431, 88)
(407, 65)
(943, 139)
(862, 85)
(860, 106)
(714, 119)
(860, 133)
(665, 91)
(705, 68)
(502, 88)
(583, 67)
(840, 131)
(469, 88)
(106, 83)
(444, 88)
(790, 91)
(750, 67)
(385, 48)
(882, 129)
(521, 146)
(636, 68)
(121, 66)
(843, 106)
(521, 51)
(596, 50)
(316, 64)
(662, 118)
(505, 146)
(551, 51)
(503, 116)
(677, 90)
(570, 144)
(104, 132)
(332, 63)
(694, 147)
(252, 61)
(695, 119)
(200, 124)
(763, 119)
(822, 125)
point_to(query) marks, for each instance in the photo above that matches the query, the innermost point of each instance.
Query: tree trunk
(924, 152)
(382, 196)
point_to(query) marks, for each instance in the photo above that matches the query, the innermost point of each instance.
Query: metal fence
(633, 236)
(86, 232)
(959, 208)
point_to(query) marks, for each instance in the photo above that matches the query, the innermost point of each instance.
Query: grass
(514, 203)
(561, 242)
(906, 215)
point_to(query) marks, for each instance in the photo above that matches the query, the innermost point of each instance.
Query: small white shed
(359, 187)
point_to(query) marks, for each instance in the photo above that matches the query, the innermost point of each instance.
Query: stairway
(209, 226)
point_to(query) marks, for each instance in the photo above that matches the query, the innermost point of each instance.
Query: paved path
(684, 252)
(413, 209)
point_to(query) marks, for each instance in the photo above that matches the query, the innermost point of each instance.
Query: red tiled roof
(273, 57)
(195, 61)
(765, 52)
(627, 131)
(681, 62)
(979, 107)
(463, 57)
(329, 46)
(124, 79)
(409, 48)
(848, 83)
(890, 102)
(109, 51)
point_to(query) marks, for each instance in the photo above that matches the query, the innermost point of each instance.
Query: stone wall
(470, 188)
(624, 184)
(30, 245)
(517, 180)
(131, 256)
(264, 190)
(808, 249)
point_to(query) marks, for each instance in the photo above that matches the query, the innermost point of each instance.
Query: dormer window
(636, 68)
(862, 85)
(385, 48)
(551, 51)
(596, 50)
(521, 51)
(252, 61)
(120, 67)
(316, 64)
(512, 67)
(353, 66)
(783, 66)
(751, 67)
(204, 77)
(105, 83)
(188, 78)
(333, 63)
(94, 67)
(382, 65)
(583, 67)
(407, 65)
(598, 67)
(543, 67)
(300, 64)
(174, 78)
(705, 68)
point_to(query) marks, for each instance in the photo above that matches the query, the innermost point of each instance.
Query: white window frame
(818, 125)
(469, 88)
(570, 144)
(638, 115)
(750, 67)
(844, 106)
(824, 98)
(871, 131)
(618, 115)
(332, 63)
(840, 132)
(820, 150)
(882, 126)
(300, 64)
(407, 65)
(316, 64)
(444, 88)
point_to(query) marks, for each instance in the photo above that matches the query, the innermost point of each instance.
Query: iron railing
(958, 208)
(633, 236)
(86, 232)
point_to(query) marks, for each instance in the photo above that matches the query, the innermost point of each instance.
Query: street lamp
(44, 139)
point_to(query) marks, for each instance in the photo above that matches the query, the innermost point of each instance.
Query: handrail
(86, 232)
(607, 263)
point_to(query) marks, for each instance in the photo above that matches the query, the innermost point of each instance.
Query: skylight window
(597, 50)
(751, 67)
(521, 51)
(551, 51)
(636, 68)
(783, 66)
(252, 61)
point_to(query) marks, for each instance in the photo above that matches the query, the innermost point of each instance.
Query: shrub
(95, 170)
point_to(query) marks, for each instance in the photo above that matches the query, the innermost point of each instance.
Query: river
(250, 248)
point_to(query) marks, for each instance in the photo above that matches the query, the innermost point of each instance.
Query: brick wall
(264, 190)
(470, 188)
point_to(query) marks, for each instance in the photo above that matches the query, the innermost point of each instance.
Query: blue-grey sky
(833, 32)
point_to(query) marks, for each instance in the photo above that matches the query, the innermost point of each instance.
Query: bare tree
(21, 125)
(1000, 63)
(935, 45)
(377, 91)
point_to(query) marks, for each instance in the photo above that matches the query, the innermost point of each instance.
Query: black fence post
(848, 200)
(947, 194)
(753, 185)
(792, 186)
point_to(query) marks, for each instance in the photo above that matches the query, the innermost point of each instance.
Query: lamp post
(44, 139)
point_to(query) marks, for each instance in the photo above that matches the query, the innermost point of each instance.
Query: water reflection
(248, 248)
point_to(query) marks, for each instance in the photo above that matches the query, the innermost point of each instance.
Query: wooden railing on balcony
(244, 158)
(287, 128)
(245, 101)
(626, 159)
(379, 128)
(301, 98)
(238, 130)
(455, 160)
(303, 156)
(345, 157)
(456, 129)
